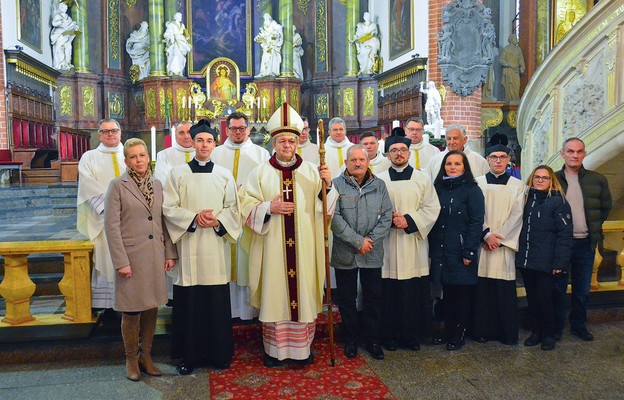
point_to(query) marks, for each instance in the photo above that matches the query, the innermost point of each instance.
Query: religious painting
(220, 28)
(566, 13)
(29, 23)
(400, 27)
(222, 79)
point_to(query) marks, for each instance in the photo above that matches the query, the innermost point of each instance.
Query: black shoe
(351, 350)
(509, 342)
(557, 336)
(480, 339)
(184, 369)
(375, 351)
(583, 334)
(457, 341)
(437, 340)
(390, 345)
(533, 340)
(548, 343)
(411, 344)
(270, 362)
(455, 345)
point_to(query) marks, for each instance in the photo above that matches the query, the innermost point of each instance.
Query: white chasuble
(504, 205)
(421, 153)
(96, 169)
(335, 155)
(379, 164)
(201, 254)
(277, 281)
(406, 255)
(309, 152)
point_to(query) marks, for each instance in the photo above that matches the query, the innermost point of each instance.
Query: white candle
(153, 134)
(173, 132)
(258, 102)
(189, 102)
(183, 103)
(196, 104)
(264, 102)
(396, 123)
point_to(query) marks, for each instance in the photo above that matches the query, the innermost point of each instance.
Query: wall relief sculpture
(466, 45)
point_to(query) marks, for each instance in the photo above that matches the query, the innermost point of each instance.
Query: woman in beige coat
(141, 252)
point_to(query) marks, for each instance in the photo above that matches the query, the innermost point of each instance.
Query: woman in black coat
(543, 251)
(454, 243)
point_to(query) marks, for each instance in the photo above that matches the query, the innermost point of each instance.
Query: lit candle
(153, 134)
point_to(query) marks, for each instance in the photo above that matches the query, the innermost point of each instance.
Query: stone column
(81, 41)
(170, 9)
(352, 16)
(286, 20)
(157, 48)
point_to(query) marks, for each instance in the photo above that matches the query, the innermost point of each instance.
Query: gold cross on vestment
(290, 242)
(287, 191)
(291, 273)
(293, 304)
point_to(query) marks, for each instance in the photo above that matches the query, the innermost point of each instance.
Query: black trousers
(539, 289)
(406, 309)
(458, 305)
(355, 328)
(496, 310)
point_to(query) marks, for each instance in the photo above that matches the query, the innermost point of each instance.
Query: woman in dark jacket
(454, 243)
(543, 251)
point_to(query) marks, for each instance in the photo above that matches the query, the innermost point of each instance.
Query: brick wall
(4, 142)
(465, 111)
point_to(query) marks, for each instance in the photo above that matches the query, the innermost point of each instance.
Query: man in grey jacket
(362, 219)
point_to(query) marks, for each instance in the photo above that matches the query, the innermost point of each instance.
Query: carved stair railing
(577, 91)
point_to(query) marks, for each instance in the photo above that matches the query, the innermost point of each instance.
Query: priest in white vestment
(181, 152)
(421, 151)
(240, 156)
(456, 139)
(281, 204)
(96, 169)
(496, 301)
(406, 301)
(378, 163)
(336, 146)
(307, 150)
(201, 211)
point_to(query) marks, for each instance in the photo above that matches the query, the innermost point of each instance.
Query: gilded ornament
(115, 104)
(321, 31)
(198, 97)
(151, 103)
(131, 3)
(139, 101)
(88, 101)
(134, 73)
(303, 6)
(162, 99)
(369, 101)
(491, 117)
(113, 28)
(181, 102)
(294, 99)
(320, 105)
(512, 119)
(349, 101)
(66, 100)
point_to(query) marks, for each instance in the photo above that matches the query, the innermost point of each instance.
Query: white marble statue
(177, 45)
(271, 38)
(137, 46)
(63, 32)
(432, 107)
(367, 44)
(297, 53)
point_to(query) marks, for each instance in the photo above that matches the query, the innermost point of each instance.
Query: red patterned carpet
(248, 378)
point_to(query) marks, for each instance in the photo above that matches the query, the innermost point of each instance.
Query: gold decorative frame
(559, 14)
(212, 72)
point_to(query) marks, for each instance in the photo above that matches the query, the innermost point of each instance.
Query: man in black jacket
(590, 200)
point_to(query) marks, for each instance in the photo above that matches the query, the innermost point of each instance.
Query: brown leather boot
(148, 326)
(130, 332)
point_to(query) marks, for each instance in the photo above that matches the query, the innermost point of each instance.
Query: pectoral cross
(287, 190)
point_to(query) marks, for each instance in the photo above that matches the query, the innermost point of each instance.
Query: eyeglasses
(398, 151)
(541, 178)
(109, 131)
(237, 128)
(498, 158)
